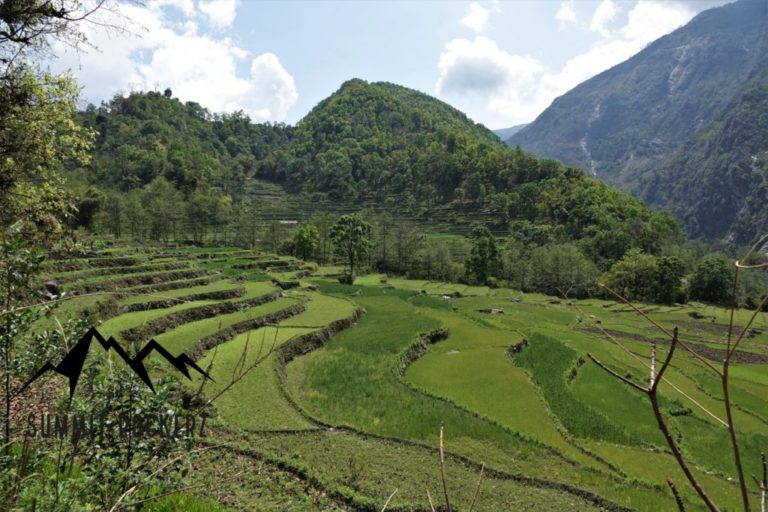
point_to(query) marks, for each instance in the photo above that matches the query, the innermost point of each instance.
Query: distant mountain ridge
(506, 133)
(654, 125)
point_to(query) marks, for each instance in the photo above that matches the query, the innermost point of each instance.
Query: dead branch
(676, 493)
(429, 497)
(442, 471)
(652, 394)
(386, 504)
(477, 489)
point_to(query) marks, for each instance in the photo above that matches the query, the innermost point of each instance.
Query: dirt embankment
(711, 353)
(174, 320)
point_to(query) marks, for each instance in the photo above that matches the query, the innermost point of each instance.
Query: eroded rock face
(679, 124)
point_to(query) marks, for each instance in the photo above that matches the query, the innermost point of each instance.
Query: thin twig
(442, 471)
(477, 488)
(661, 328)
(652, 395)
(386, 504)
(429, 497)
(620, 377)
(642, 362)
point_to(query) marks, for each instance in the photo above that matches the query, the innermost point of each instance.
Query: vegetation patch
(549, 362)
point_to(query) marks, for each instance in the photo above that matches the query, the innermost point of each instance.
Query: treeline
(525, 259)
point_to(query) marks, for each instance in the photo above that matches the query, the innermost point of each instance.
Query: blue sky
(501, 62)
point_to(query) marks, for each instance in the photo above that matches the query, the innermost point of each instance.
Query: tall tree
(483, 261)
(351, 236)
(561, 270)
(306, 240)
(712, 279)
(37, 134)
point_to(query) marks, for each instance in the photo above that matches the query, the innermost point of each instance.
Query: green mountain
(146, 135)
(656, 124)
(371, 144)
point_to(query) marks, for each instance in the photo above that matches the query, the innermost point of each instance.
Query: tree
(28, 28)
(306, 240)
(323, 222)
(562, 270)
(164, 208)
(484, 260)
(88, 205)
(351, 236)
(671, 271)
(37, 133)
(712, 279)
(408, 240)
(634, 277)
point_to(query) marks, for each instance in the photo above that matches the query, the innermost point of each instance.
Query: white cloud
(566, 14)
(479, 68)
(476, 17)
(269, 79)
(187, 7)
(505, 89)
(651, 19)
(604, 14)
(197, 67)
(220, 13)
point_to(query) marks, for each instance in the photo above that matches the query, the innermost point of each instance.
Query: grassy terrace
(256, 401)
(184, 337)
(544, 414)
(137, 318)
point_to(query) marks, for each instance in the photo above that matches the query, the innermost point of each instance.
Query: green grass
(255, 401)
(186, 502)
(114, 326)
(216, 286)
(184, 337)
(549, 362)
(530, 415)
(350, 382)
(471, 368)
(357, 465)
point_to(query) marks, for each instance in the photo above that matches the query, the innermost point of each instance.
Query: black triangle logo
(72, 364)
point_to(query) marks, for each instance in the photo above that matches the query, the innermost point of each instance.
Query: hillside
(367, 144)
(716, 183)
(347, 403)
(146, 135)
(650, 111)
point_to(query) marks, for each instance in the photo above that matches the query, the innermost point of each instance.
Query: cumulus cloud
(220, 13)
(476, 17)
(566, 14)
(604, 14)
(480, 67)
(196, 66)
(506, 89)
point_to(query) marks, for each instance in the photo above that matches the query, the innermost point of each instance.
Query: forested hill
(642, 125)
(375, 143)
(147, 135)
(382, 139)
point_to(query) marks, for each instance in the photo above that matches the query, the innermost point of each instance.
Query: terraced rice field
(346, 401)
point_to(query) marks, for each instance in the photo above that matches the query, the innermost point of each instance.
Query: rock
(52, 287)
